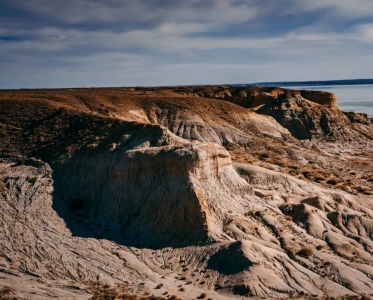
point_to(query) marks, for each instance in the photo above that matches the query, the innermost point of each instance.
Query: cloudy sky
(85, 43)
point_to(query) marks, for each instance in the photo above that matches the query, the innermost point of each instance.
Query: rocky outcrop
(228, 126)
(307, 120)
(306, 114)
(253, 96)
(49, 251)
(323, 98)
(160, 194)
(358, 117)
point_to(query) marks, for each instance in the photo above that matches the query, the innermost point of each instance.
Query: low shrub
(305, 252)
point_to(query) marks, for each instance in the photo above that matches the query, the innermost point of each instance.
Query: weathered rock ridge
(306, 120)
(306, 114)
(253, 96)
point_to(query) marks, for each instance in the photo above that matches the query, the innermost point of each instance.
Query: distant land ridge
(311, 83)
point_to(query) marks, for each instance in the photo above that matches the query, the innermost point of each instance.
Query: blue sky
(86, 43)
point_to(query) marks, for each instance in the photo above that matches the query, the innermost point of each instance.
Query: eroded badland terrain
(215, 192)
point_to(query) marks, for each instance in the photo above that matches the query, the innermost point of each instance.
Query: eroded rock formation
(184, 195)
(306, 114)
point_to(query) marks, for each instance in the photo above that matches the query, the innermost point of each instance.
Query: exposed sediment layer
(151, 190)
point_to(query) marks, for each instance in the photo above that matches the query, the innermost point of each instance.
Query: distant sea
(357, 98)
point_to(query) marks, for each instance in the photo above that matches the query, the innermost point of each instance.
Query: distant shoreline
(311, 83)
(290, 84)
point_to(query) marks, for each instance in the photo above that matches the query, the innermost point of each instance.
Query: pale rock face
(195, 126)
(160, 195)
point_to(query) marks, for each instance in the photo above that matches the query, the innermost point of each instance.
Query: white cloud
(365, 33)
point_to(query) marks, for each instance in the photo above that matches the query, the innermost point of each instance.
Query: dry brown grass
(305, 251)
(351, 175)
(289, 218)
(7, 293)
(119, 292)
(332, 181)
(363, 189)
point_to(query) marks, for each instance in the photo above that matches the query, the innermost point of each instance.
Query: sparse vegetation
(305, 251)
(7, 293)
(332, 181)
(119, 292)
(289, 218)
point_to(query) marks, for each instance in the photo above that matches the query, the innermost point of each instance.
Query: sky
(97, 43)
